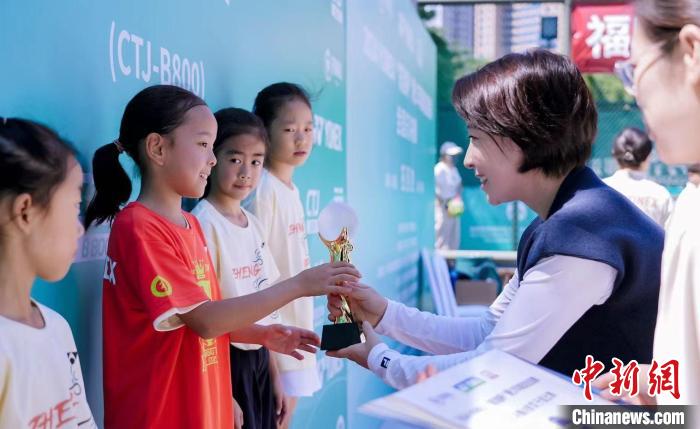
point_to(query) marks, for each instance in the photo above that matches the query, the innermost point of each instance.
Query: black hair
(631, 148)
(233, 122)
(537, 99)
(270, 100)
(33, 160)
(156, 109)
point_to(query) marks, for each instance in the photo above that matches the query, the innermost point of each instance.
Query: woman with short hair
(587, 279)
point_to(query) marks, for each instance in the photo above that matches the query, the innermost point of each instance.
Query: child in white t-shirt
(242, 259)
(285, 110)
(41, 383)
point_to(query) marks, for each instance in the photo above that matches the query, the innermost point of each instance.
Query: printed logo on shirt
(200, 272)
(385, 362)
(246, 271)
(252, 270)
(200, 269)
(109, 274)
(58, 415)
(208, 353)
(296, 228)
(73, 360)
(67, 410)
(160, 287)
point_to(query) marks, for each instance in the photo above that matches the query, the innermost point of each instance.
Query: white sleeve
(170, 320)
(667, 209)
(442, 334)
(530, 317)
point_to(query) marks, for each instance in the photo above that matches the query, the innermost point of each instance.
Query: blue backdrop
(370, 65)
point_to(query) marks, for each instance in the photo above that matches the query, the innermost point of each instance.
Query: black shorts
(252, 387)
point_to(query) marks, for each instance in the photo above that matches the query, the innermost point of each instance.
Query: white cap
(449, 148)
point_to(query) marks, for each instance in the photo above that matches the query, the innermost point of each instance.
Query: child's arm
(279, 338)
(215, 318)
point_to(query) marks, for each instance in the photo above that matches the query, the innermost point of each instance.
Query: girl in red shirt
(165, 329)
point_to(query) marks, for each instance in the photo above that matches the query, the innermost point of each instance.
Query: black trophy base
(339, 336)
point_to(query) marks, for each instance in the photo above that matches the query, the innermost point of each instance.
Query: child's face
(495, 161)
(190, 158)
(291, 134)
(53, 239)
(239, 165)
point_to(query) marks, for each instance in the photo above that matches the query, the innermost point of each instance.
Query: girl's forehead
(241, 143)
(199, 119)
(294, 108)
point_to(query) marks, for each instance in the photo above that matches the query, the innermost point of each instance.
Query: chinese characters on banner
(601, 35)
(661, 378)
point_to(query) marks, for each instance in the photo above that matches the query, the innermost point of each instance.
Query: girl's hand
(237, 415)
(288, 339)
(280, 402)
(327, 279)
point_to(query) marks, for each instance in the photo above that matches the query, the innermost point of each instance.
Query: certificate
(492, 390)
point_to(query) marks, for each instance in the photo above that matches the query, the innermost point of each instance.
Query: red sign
(601, 35)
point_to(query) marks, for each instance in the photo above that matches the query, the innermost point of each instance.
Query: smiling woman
(532, 122)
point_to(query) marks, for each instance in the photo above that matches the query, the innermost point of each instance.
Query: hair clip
(119, 146)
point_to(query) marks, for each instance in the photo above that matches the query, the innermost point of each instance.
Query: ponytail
(631, 148)
(156, 109)
(112, 185)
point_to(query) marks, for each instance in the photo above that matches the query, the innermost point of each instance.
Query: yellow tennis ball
(455, 207)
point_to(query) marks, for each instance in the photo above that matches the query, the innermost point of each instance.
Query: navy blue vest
(590, 220)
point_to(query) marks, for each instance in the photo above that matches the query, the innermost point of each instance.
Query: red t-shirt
(158, 373)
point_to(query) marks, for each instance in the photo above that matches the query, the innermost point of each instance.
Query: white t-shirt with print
(41, 383)
(279, 209)
(652, 198)
(241, 257)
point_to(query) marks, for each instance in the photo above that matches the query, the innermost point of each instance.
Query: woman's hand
(641, 398)
(365, 304)
(359, 353)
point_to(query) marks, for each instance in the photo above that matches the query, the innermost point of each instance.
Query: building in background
(490, 30)
(456, 24)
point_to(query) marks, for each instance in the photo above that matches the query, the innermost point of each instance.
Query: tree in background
(451, 63)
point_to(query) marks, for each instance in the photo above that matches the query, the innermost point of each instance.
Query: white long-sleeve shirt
(678, 324)
(527, 319)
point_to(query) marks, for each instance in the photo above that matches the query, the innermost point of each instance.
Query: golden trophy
(339, 220)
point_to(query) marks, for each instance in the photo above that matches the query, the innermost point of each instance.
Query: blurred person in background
(448, 198)
(631, 150)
